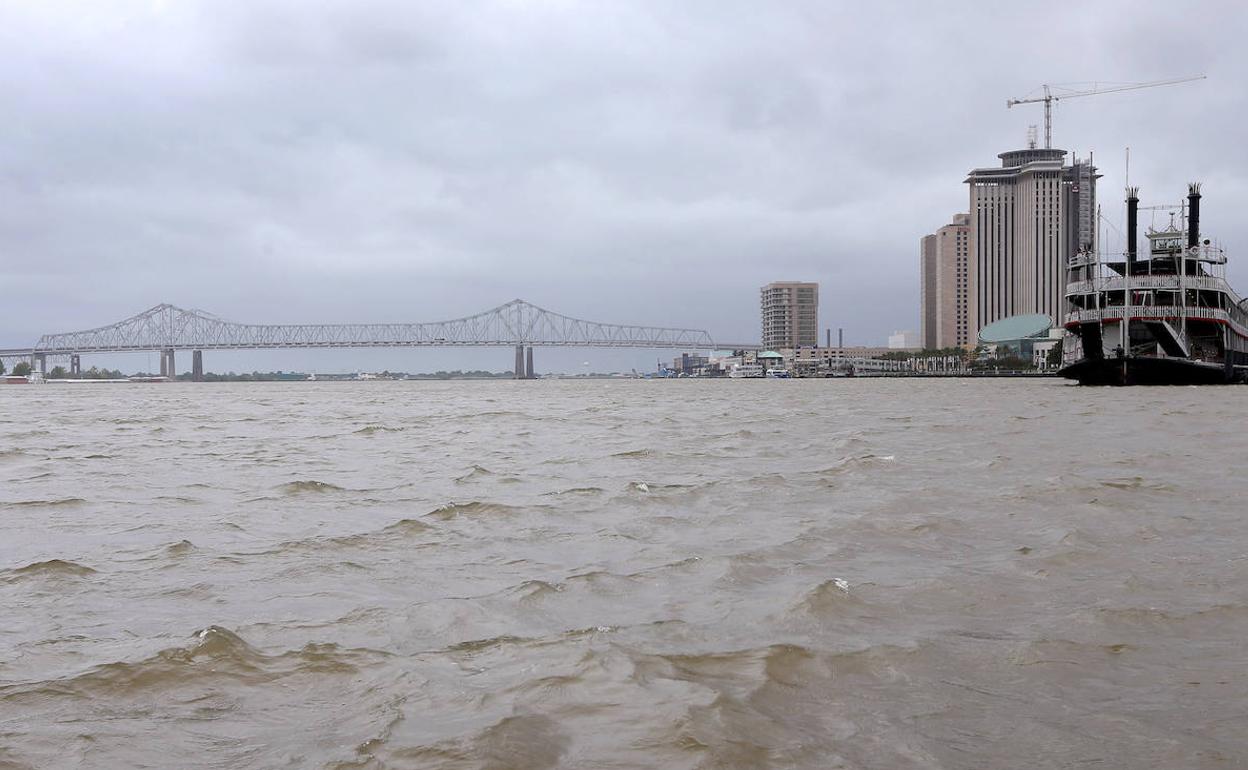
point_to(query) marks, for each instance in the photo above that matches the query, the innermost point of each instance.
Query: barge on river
(1167, 318)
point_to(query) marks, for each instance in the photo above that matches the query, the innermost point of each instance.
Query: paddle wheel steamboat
(1164, 318)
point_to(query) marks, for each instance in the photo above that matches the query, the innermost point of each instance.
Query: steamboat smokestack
(1133, 202)
(1193, 215)
(1132, 215)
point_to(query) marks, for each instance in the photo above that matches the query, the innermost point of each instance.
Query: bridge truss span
(516, 323)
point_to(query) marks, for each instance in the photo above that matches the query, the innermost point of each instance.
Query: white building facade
(904, 340)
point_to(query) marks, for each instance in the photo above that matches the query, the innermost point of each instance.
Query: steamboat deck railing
(1174, 282)
(1157, 312)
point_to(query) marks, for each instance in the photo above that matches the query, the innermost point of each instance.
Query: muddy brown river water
(623, 574)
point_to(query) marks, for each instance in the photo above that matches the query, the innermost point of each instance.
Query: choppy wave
(49, 568)
(59, 502)
(407, 527)
(535, 590)
(473, 509)
(830, 598)
(476, 472)
(309, 486)
(402, 532)
(180, 548)
(854, 463)
(635, 454)
(1066, 652)
(214, 654)
(578, 491)
(685, 575)
(369, 430)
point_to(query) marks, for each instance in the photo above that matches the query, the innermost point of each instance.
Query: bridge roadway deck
(166, 328)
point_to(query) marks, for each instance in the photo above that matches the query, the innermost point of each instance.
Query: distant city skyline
(1007, 257)
(277, 162)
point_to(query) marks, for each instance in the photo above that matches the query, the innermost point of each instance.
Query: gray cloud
(632, 161)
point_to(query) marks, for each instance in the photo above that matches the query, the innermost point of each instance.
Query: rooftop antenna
(1031, 136)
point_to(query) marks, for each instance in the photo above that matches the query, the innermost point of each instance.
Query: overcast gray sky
(636, 162)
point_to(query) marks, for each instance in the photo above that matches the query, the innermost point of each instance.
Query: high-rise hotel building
(790, 312)
(948, 280)
(1027, 217)
(930, 312)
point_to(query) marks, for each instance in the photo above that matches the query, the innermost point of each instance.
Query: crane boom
(1050, 97)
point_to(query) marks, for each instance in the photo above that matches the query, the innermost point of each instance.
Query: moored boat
(1165, 318)
(746, 370)
(34, 378)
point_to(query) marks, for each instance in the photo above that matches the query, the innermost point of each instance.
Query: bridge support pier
(75, 365)
(197, 366)
(528, 364)
(519, 370)
(167, 366)
(39, 363)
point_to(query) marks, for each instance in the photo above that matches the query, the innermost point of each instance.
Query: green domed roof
(1017, 327)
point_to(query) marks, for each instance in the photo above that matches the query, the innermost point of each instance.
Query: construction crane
(1050, 97)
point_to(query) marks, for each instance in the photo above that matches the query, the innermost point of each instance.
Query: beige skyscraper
(1027, 218)
(954, 282)
(790, 313)
(948, 282)
(928, 304)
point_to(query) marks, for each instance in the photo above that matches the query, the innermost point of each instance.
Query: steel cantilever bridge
(519, 324)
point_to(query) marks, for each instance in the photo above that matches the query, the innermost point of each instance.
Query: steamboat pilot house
(1167, 316)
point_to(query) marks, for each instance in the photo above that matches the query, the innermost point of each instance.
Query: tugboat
(1168, 318)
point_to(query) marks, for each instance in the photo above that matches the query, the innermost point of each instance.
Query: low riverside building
(1040, 349)
(904, 340)
(689, 363)
(802, 361)
(721, 362)
(817, 362)
(1019, 335)
(770, 359)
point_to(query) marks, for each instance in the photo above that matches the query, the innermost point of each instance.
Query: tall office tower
(790, 312)
(948, 282)
(1027, 218)
(1079, 192)
(929, 305)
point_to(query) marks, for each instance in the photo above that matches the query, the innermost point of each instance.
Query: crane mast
(1049, 97)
